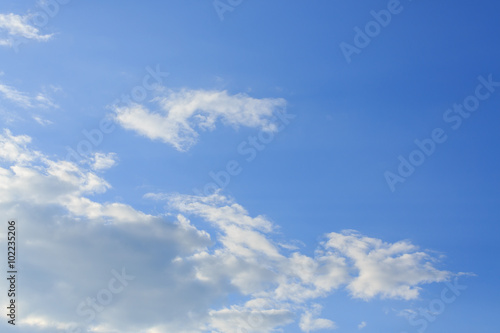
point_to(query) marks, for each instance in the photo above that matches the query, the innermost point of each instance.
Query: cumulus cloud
(253, 263)
(102, 161)
(34, 178)
(386, 270)
(14, 26)
(73, 246)
(178, 117)
(381, 269)
(309, 323)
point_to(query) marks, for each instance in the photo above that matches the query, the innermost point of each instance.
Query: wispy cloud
(42, 121)
(26, 100)
(309, 322)
(15, 96)
(14, 26)
(179, 116)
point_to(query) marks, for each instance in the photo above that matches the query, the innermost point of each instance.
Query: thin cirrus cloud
(42, 121)
(15, 96)
(179, 116)
(38, 101)
(14, 27)
(26, 100)
(180, 271)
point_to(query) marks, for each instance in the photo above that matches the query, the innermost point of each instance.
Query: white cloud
(15, 96)
(44, 101)
(14, 26)
(45, 323)
(241, 319)
(179, 116)
(34, 178)
(42, 121)
(381, 269)
(102, 161)
(253, 263)
(309, 323)
(38, 102)
(14, 148)
(362, 325)
(25, 100)
(71, 243)
(386, 270)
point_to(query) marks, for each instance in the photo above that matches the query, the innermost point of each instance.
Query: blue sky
(328, 215)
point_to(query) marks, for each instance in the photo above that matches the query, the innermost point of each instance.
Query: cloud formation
(384, 269)
(258, 268)
(308, 323)
(178, 117)
(14, 27)
(72, 244)
(25, 100)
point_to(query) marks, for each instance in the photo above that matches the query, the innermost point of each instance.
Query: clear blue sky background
(325, 171)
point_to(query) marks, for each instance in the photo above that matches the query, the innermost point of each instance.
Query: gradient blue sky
(323, 173)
